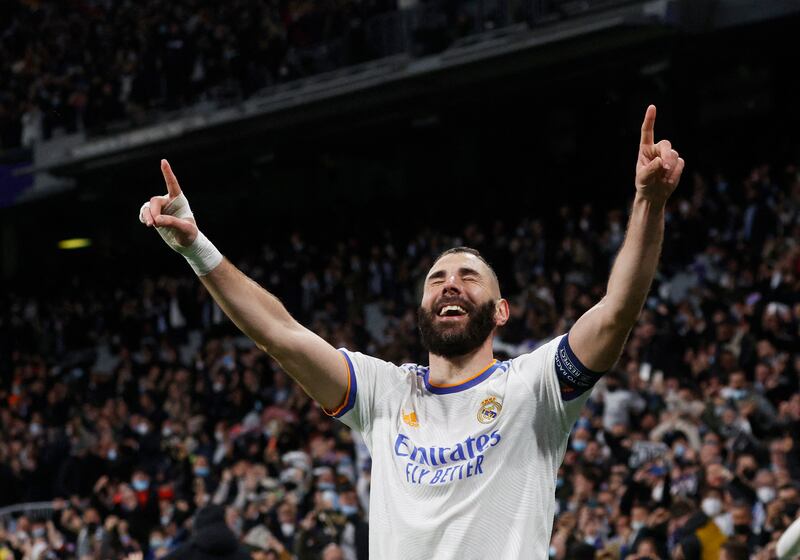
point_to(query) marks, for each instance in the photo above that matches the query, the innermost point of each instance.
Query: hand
(567, 521)
(309, 521)
(274, 543)
(747, 408)
(170, 213)
(659, 516)
(111, 523)
(658, 168)
(101, 483)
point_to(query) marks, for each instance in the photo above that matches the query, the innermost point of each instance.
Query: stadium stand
(128, 403)
(127, 408)
(93, 65)
(102, 67)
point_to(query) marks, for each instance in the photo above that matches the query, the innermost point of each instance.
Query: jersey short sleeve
(560, 383)
(369, 380)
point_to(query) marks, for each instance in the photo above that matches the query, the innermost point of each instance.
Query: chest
(442, 440)
(427, 419)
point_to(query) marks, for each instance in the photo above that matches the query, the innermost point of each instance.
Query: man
(696, 535)
(465, 452)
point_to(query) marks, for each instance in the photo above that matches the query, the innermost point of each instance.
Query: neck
(449, 371)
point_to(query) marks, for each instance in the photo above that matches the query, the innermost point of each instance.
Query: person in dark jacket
(695, 533)
(211, 539)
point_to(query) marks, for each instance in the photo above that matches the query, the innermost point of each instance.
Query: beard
(450, 341)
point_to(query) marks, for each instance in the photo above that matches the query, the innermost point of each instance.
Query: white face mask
(766, 494)
(711, 506)
(637, 525)
(287, 529)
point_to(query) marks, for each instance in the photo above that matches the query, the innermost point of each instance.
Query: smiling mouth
(452, 311)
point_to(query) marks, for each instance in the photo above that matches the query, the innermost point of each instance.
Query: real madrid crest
(489, 410)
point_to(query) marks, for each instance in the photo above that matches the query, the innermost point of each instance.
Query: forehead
(454, 261)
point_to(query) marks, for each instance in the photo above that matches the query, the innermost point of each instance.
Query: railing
(424, 29)
(383, 47)
(37, 511)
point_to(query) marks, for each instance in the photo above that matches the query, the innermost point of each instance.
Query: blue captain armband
(573, 377)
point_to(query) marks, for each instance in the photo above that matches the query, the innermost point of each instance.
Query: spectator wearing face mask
(68, 431)
(91, 535)
(712, 506)
(694, 532)
(742, 518)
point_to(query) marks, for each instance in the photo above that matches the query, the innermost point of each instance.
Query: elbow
(273, 350)
(620, 316)
(282, 341)
(623, 322)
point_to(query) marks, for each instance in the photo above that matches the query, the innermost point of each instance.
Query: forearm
(599, 334)
(636, 263)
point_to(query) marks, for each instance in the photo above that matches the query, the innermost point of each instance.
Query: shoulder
(364, 364)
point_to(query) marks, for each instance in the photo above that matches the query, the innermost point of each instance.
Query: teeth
(447, 308)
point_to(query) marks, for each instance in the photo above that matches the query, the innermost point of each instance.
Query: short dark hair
(736, 550)
(469, 251)
(681, 507)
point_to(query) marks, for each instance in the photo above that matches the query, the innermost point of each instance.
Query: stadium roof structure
(475, 57)
(607, 25)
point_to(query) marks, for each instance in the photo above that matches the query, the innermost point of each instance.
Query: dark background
(496, 148)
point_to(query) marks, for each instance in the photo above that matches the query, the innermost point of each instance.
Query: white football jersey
(465, 471)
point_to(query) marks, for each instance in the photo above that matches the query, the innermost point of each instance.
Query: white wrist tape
(201, 255)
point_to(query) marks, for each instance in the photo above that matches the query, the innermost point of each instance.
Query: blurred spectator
(211, 539)
(92, 66)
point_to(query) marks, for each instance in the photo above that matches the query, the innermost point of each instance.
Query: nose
(451, 284)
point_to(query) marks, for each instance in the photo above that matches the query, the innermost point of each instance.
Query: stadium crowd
(86, 64)
(129, 405)
(91, 65)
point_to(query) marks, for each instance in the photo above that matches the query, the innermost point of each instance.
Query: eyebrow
(463, 271)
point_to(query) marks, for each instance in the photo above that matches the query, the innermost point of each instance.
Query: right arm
(313, 363)
(319, 368)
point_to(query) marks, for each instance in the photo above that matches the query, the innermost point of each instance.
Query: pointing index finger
(169, 177)
(648, 126)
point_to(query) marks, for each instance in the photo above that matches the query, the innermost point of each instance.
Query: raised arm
(599, 334)
(319, 368)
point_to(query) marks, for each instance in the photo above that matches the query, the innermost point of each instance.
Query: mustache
(441, 302)
(449, 342)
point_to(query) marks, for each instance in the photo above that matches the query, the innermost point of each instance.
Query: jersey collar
(482, 375)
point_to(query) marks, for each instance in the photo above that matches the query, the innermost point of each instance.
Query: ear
(501, 312)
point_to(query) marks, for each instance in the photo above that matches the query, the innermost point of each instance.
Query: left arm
(598, 336)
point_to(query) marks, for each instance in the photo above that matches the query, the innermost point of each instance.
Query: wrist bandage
(201, 255)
